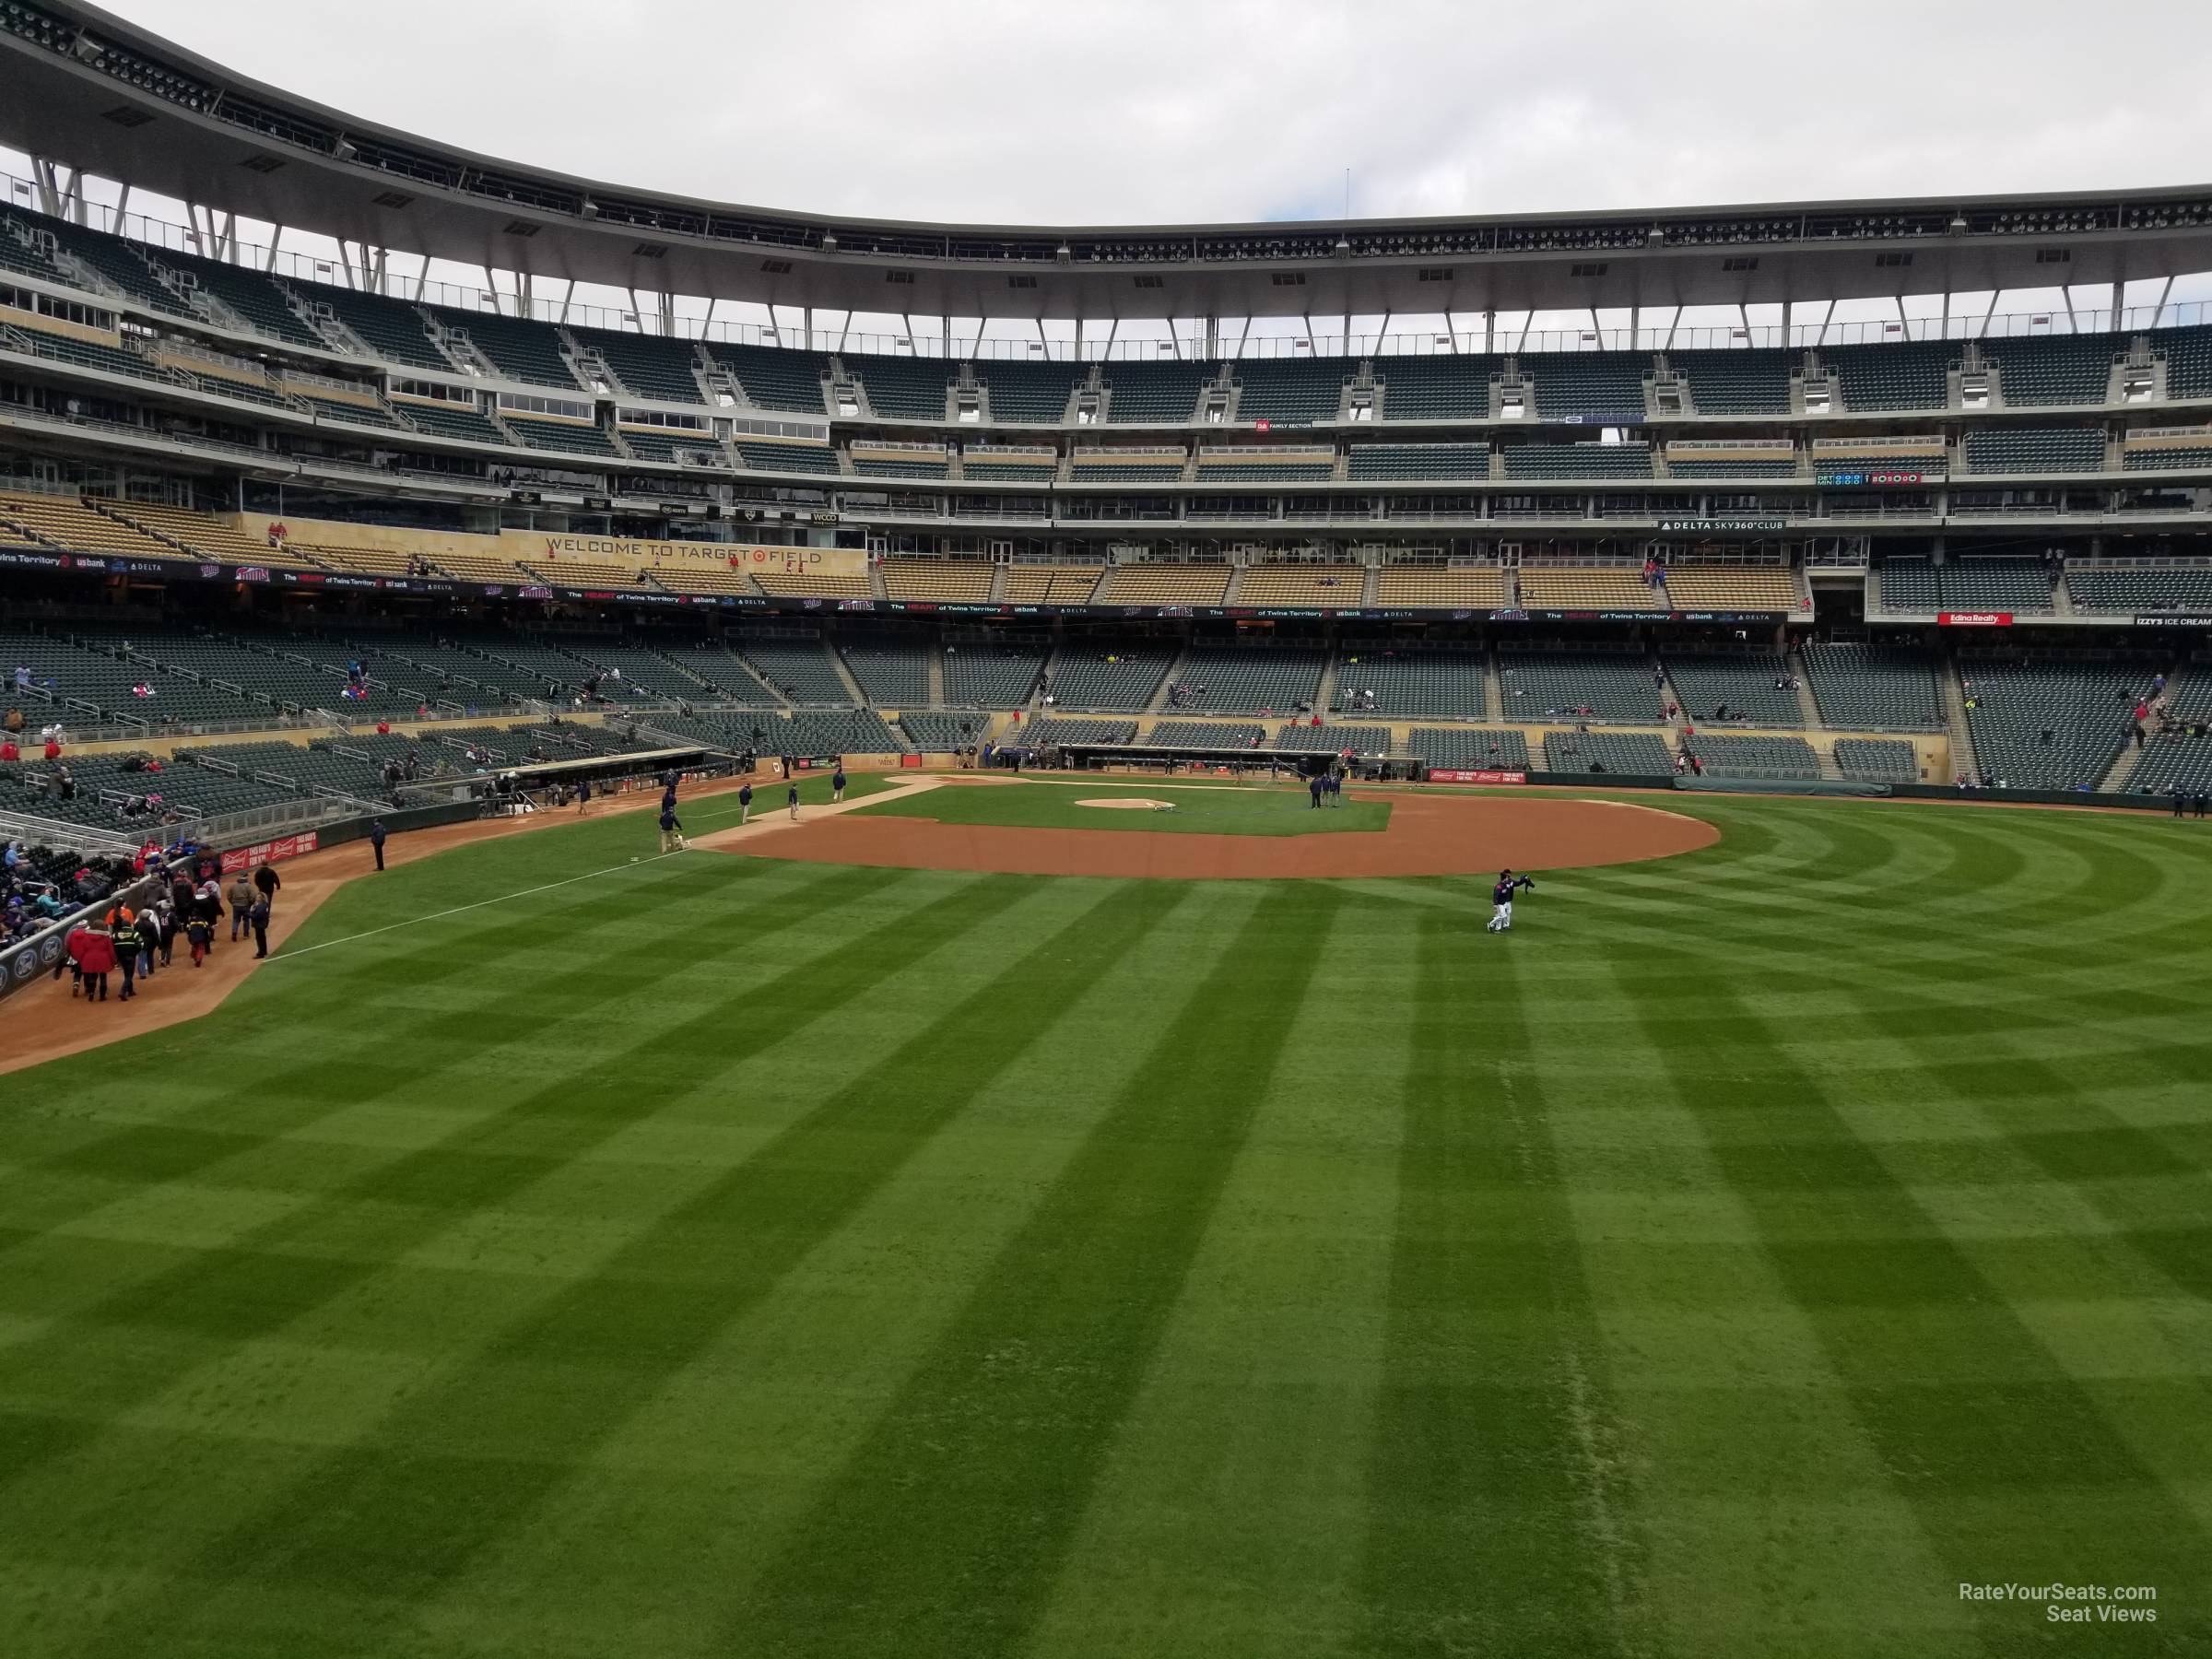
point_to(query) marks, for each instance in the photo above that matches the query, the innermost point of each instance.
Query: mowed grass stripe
(1500, 1519)
(944, 1535)
(168, 1135)
(401, 1511)
(142, 1284)
(1967, 1407)
(1228, 1516)
(707, 1479)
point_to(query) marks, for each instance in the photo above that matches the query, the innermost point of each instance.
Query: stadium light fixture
(590, 210)
(829, 242)
(342, 151)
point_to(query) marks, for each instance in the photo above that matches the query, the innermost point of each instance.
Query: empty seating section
(1334, 739)
(638, 669)
(1909, 585)
(2021, 586)
(800, 669)
(2057, 370)
(1045, 733)
(1733, 587)
(937, 734)
(1164, 584)
(2084, 706)
(894, 673)
(1472, 749)
(1876, 761)
(1160, 470)
(1873, 688)
(1028, 393)
(1389, 461)
(1607, 386)
(812, 584)
(1577, 460)
(254, 298)
(1724, 755)
(120, 263)
(389, 328)
(2035, 450)
(953, 580)
(721, 672)
(482, 567)
(566, 436)
(200, 532)
(520, 350)
(1157, 393)
(761, 456)
(685, 577)
(1238, 679)
(64, 672)
(1335, 585)
(1205, 735)
(1908, 375)
(28, 251)
(1090, 675)
(652, 366)
(1009, 472)
(1765, 468)
(588, 573)
(1265, 472)
(65, 522)
(448, 420)
(835, 732)
(1436, 388)
(421, 659)
(2167, 458)
(1372, 679)
(1615, 687)
(1738, 382)
(775, 379)
(1051, 585)
(1589, 587)
(2173, 759)
(1287, 390)
(991, 677)
(881, 467)
(2141, 588)
(2188, 354)
(903, 388)
(1741, 682)
(1443, 587)
(1632, 754)
(346, 409)
(86, 354)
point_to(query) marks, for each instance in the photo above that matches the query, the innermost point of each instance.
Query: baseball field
(1799, 1245)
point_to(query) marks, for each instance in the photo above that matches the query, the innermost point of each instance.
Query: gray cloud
(1143, 111)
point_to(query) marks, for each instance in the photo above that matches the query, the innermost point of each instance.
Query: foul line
(285, 956)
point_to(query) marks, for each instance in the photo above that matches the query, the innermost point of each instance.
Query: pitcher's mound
(1130, 804)
(1429, 835)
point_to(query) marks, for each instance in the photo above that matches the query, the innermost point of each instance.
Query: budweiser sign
(1441, 775)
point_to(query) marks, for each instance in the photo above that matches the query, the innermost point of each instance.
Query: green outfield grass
(1199, 809)
(743, 1257)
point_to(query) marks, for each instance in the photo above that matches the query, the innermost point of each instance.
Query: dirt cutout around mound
(1432, 835)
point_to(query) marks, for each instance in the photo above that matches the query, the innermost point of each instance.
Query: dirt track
(1429, 835)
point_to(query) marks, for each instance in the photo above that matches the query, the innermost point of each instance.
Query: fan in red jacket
(93, 949)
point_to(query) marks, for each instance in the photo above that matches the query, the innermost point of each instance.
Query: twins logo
(209, 572)
(26, 964)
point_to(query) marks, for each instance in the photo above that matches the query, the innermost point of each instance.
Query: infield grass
(1198, 809)
(746, 1257)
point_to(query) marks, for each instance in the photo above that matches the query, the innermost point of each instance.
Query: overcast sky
(1166, 110)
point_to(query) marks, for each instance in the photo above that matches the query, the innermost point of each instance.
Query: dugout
(1263, 761)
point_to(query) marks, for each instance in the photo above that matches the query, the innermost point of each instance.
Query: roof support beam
(61, 190)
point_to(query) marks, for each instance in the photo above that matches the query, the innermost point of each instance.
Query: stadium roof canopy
(92, 91)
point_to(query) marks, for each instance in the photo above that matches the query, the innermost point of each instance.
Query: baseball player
(1502, 897)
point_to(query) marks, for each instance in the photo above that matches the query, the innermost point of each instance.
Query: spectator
(268, 881)
(259, 917)
(241, 900)
(93, 949)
